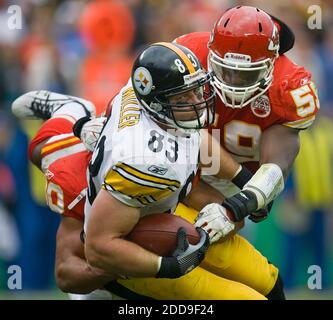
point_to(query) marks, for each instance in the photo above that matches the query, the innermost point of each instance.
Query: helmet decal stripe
(180, 53)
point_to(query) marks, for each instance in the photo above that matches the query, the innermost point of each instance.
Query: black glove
(241, 204)
(186, 256)
(262, 214)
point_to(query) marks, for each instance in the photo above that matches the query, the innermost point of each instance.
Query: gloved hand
(214, 219)
(241, 204)
(90, 132)
(186, 256)
(262, 214)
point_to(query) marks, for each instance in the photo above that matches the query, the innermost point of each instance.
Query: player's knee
(277, 293)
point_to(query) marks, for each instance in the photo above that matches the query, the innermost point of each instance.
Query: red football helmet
(242, 50)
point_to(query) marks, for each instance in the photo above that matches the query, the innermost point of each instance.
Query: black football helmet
(164, 70)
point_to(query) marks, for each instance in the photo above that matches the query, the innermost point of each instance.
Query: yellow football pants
(232, 270)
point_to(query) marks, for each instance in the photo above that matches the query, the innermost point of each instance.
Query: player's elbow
(63, 279)
(69, 283)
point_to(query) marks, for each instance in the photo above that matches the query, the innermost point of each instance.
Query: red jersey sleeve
(67, 184)
(296, 95)
(52, 128)
(197, 42)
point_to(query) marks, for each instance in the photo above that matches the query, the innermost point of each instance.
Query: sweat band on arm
(242, 177)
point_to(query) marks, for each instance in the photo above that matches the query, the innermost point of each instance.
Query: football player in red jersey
(64, 159)
(265, 99)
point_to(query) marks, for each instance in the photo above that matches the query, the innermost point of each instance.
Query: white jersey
(139, 163)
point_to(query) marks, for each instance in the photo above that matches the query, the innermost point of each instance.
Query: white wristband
(267, 183)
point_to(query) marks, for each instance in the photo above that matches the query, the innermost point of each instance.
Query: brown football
(158, 233)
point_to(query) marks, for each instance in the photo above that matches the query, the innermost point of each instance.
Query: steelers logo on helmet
(143, 81)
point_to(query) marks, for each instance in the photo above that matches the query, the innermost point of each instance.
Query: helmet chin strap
(168, 123)
(193, 123)
(172, 129)
(239, 97)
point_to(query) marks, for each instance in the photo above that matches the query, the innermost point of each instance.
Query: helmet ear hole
(226, 23)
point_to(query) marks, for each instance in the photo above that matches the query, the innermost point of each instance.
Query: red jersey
(291, 100)
(64, 163)
(67, 184)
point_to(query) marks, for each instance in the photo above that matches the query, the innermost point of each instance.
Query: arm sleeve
(300, 99)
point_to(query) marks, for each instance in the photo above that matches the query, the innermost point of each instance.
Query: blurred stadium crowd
(86, 48)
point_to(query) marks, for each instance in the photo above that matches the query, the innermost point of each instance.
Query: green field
(296, 294)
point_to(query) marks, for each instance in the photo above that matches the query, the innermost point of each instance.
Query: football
(158, 233)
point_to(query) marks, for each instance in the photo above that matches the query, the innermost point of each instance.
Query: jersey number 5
(305, 99)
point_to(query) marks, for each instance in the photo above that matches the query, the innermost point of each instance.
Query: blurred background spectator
(86, 48)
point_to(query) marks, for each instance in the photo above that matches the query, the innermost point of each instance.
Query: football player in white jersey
(145, 159)
(140, 167)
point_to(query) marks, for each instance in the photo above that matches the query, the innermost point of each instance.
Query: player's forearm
(122, 257)
(227, 166)
(105, 248)
(74, 275)
(280, 145)
(202, 195)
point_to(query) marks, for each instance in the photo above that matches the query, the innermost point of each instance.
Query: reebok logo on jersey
(158, 170)
(304, 81)
(49, 175)
(243, 195)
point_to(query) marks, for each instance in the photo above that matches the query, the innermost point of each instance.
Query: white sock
(75, 109)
